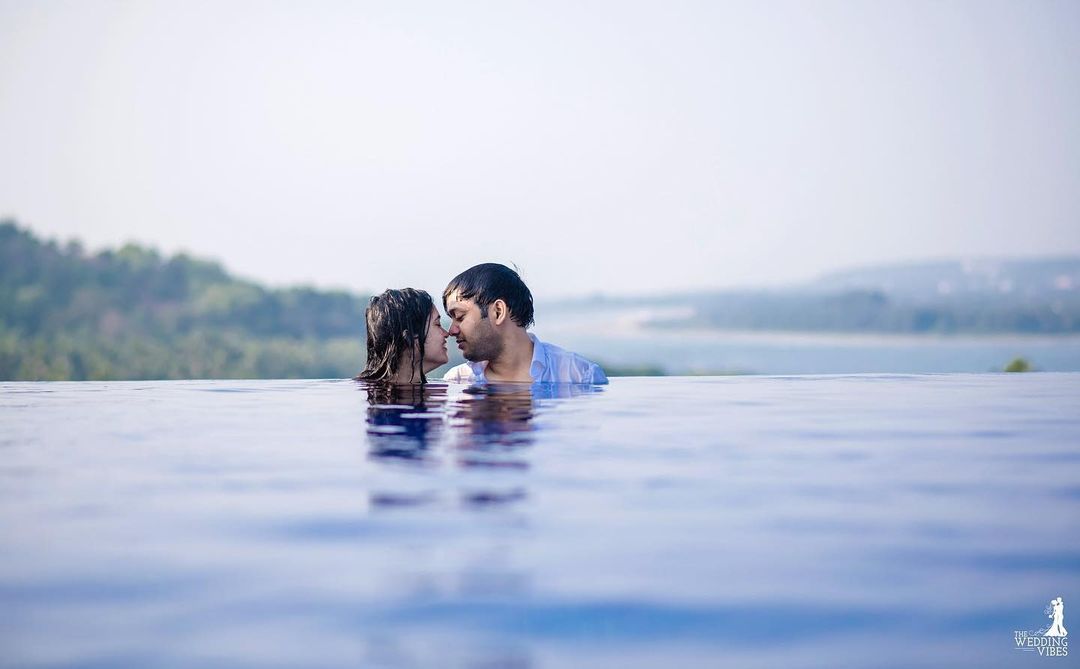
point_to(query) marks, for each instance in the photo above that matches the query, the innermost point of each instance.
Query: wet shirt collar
(539, 360)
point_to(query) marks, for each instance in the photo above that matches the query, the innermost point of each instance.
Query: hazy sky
(616, 147)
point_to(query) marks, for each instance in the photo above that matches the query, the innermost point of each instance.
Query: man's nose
(454, 330)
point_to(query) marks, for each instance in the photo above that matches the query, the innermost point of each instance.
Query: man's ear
(499, 312)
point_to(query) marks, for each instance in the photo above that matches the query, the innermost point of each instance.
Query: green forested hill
(133, 314)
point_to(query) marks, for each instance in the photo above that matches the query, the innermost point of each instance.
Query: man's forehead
(454, 300)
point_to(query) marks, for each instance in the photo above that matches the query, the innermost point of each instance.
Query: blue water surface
(830, 521)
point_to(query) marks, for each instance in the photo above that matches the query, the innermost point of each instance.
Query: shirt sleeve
(599, 377)
(459, 374)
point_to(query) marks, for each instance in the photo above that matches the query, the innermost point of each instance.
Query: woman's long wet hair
(397, 328)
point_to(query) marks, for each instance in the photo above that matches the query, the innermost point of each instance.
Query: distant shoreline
(638, 322)
(807, 336)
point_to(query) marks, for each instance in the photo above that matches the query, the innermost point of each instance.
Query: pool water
(828, 521)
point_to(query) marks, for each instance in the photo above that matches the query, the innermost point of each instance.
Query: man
(490, 307)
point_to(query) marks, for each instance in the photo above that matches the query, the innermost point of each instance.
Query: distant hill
(133, 314)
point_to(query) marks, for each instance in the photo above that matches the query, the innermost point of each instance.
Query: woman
(405, 337)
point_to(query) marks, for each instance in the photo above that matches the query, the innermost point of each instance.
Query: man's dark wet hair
(491, 281)
(397, 321)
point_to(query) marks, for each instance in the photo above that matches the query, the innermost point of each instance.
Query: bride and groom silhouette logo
(1056, 612)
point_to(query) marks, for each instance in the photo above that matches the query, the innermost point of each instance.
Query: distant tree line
(133, 314)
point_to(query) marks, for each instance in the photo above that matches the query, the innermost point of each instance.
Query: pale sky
(613, 147)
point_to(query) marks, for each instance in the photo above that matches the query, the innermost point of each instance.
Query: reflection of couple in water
(490, 308)
(1057, 613)
(483, 426)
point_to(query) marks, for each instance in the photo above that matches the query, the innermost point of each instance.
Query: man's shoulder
(595, 370)
(572, 367)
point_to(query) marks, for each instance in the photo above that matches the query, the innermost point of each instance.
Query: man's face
(476, 336)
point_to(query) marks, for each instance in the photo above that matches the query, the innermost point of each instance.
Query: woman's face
(435, 353)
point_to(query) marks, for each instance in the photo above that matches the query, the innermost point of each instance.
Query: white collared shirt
(550, 364)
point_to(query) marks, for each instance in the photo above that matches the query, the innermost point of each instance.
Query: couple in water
(490, 310)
